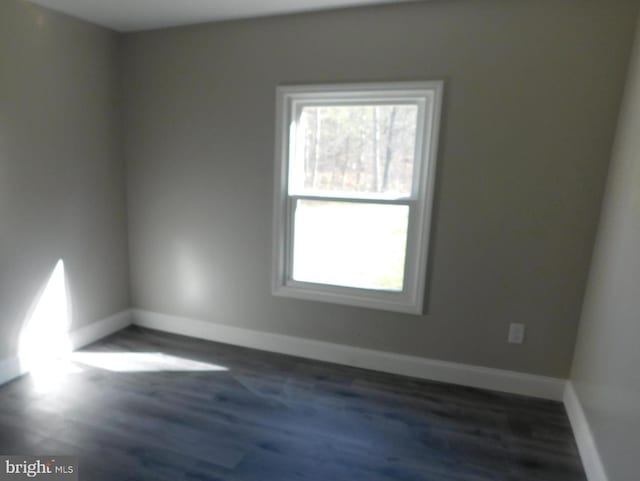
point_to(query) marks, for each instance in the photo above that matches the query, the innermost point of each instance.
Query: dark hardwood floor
(268, 417)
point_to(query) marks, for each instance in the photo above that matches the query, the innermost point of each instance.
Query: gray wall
(606, 373)
(62, 191)
(532, 97)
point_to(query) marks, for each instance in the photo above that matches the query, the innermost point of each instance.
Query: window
(355, 170)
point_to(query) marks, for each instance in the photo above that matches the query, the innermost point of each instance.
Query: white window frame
(428, 97)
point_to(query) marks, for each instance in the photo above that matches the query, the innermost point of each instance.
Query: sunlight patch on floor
(141, 362)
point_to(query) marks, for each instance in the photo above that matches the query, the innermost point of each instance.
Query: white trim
(428, 97)
(463, 374)
(97, 330)
(587, 447)
(12, 368)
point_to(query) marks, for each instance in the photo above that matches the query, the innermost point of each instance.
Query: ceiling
(132, 15)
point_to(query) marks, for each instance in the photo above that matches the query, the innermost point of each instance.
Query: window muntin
(355, 167)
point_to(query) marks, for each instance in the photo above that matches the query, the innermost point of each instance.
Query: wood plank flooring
(247, 415)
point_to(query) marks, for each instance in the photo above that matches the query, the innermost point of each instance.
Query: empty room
(320, 240)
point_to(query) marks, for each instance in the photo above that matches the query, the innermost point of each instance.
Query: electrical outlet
(516, 333)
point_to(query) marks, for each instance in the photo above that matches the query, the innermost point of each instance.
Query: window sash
(290, 244)
(295, 112)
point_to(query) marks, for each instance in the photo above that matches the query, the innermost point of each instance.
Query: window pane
(366, 149)
(350, 244)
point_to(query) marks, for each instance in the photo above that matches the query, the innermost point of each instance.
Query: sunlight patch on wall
(45, 334)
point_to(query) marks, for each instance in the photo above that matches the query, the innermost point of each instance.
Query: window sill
(365, 298)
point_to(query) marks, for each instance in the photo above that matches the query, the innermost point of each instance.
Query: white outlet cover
(516, 333)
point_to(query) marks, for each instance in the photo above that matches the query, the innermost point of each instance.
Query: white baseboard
(97, 330)
(12, 368)
(463, 374)
(589, 455)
